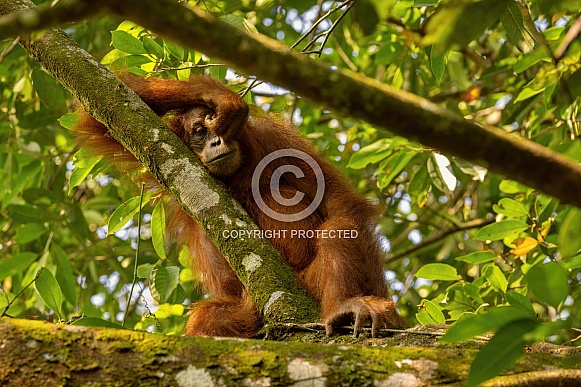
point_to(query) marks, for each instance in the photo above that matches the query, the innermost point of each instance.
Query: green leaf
(158, 229)
(500, 352)
(500, 230)
(153, 48)
(391, 48)
(145, 271)
(527, 61)
(430, 313)
(519, 301)
(571, 263)
(478, 257)
(438, 271)
(392, 167)
(527, 93)
(123, 41)
(496, 278)
(49, 90)
(476, 171)
(49, 291)
(478, 324)
(165, 281)
(64, 274)
(69, 120)
(510, 207)
(570, 234)
(370, 154)
(178, 296)
(441, 173)
(28, 214)
(125, 212)
(574, 84)
(84, 164)
(174, 49)
(420, 182)
(519, 26)
(512, 187)
(457, 22)
(96, 322)
(474, 292)
(130, 62)
(17, 264)
(29, 232)
(438, 64)
(549, 283)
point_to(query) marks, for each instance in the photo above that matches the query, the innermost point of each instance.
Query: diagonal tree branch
(271, 283)
(357, 96)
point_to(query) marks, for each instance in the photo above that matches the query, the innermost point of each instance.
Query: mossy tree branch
(272, 284)
(40, 353)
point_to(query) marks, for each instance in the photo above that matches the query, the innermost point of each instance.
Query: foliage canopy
(464, 244)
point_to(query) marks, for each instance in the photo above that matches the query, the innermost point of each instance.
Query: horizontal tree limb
(40, 353)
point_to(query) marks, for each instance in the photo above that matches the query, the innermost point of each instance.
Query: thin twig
(439, 236)
(9, 48)
(9, 304)
(326, 34)
(136, 254)
(202, 66)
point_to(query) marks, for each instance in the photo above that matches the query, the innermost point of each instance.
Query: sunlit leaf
(500, 230)
(438, 271)
(69, 120)
(430, 313)
(496, 278)
(478, 257)
(84, 164)
(370, 154)
(145, 271)
(527, 93)
(125, 212)
(158, 229)
(524, 245)
(512, 187)
(123, 41)
(49, 291)
(392, 167)
(476, 171)
(441, 173)
(510, 207)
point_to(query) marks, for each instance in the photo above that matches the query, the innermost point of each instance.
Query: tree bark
(270, 281)
(40, 353)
